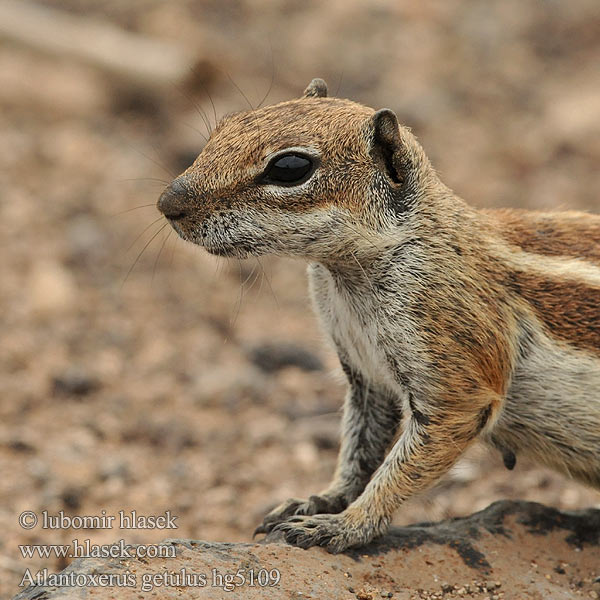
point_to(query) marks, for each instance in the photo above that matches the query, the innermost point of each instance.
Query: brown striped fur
(451, 323)
(565, 233)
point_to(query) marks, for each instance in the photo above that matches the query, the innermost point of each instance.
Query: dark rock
(271, 357)
(20, 445)
(71, 498)
(74, 381)
(501, 542)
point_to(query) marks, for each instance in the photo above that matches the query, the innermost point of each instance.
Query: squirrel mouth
(178, 229)
(215, 247)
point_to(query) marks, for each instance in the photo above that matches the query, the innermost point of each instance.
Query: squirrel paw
(335, 533)
(314, 505)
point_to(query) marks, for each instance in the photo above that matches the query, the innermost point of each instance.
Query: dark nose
(174, 201)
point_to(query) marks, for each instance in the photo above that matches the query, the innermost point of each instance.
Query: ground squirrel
(450, 323)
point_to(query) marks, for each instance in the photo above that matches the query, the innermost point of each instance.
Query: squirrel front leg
(429, 445)
(371, 420)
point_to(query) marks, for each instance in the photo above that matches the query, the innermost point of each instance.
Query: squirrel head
(314, 177)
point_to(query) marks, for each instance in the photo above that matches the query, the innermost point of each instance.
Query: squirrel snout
(173, 202)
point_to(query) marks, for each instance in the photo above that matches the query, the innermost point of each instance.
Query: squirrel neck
(439, 228)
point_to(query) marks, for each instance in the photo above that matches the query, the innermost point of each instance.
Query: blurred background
(177, 381)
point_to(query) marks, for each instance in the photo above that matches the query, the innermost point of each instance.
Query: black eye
(289, 169)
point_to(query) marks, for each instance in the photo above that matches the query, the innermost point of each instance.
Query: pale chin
(229, 251)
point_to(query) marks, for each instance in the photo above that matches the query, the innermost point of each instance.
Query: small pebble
(74, 381)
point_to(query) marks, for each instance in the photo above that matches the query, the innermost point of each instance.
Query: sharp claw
(260, 529)
(265, 527)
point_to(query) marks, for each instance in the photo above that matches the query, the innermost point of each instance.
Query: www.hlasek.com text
(85, 549)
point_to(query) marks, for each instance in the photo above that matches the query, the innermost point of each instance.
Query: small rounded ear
(317, 88)
(387, 145)
(386, 131)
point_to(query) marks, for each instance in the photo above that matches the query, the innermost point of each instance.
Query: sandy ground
(152, 384)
